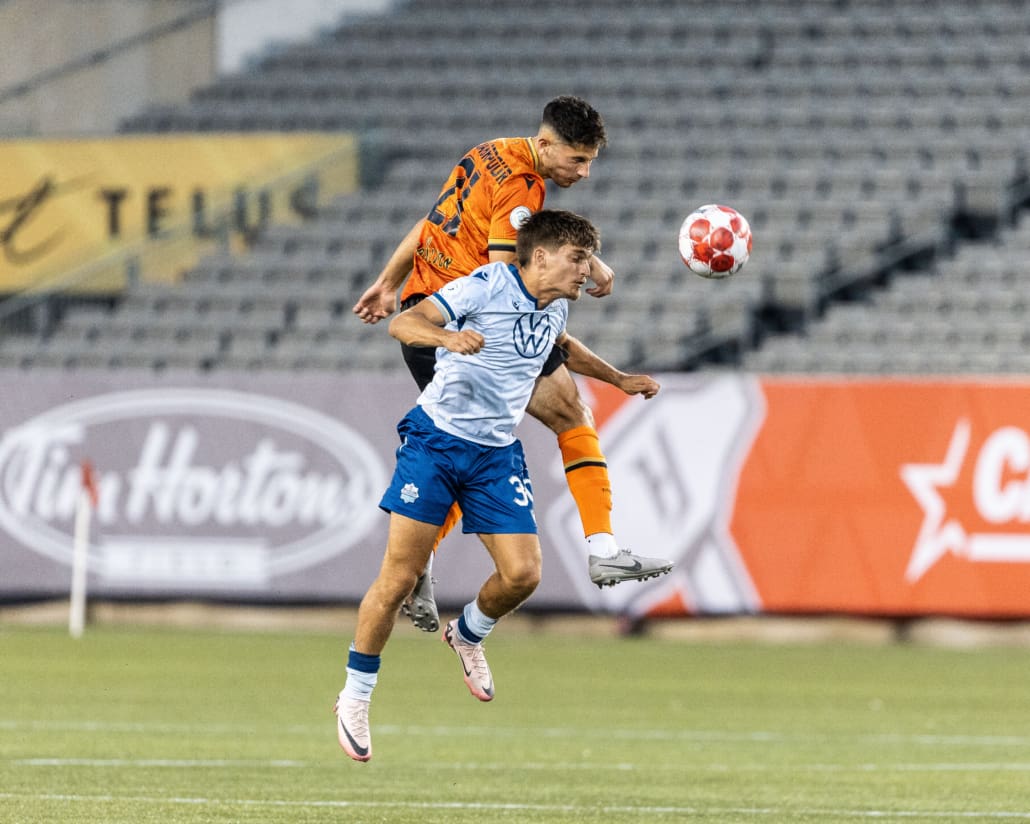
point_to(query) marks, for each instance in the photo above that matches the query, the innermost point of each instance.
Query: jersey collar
(533, 152)
(518, 279)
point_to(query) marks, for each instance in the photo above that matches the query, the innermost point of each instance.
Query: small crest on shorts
(409, 493)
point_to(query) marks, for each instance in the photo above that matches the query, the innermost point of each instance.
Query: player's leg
(419, 495)
(420, 605)
(498, 505)
(516, 575)
(410, 542)
(557, 404)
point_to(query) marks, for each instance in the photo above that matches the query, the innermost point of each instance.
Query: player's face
(570, 268)
(566, 164)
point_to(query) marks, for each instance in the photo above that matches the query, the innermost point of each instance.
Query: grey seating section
(964, 315)
(860, 139)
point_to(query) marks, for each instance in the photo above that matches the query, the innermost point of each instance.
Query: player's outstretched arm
(586, 362)
(380, 299)
(603, 277)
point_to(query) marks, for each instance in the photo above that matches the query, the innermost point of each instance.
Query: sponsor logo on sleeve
(519, 215)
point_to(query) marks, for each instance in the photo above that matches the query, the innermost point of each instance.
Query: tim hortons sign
(197, 487)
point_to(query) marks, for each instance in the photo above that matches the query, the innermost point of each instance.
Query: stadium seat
(861, 140)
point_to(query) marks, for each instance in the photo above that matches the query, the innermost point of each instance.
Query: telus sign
(197, 487)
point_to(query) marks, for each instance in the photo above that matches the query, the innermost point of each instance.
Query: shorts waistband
(412, 300)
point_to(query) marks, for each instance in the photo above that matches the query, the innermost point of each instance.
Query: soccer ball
(715, 241)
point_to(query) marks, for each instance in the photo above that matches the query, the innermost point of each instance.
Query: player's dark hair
(553, 228)
(575, 122)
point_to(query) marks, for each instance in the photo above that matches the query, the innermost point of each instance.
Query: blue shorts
(434, 469)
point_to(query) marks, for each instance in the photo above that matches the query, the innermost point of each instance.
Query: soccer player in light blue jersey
(493, 330)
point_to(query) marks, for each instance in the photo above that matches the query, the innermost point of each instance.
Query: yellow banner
(78, 213)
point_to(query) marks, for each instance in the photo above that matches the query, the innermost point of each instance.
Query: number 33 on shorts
(523, 490)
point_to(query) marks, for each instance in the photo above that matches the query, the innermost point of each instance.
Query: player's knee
(522, 580)
(563, 413)
(394, 587)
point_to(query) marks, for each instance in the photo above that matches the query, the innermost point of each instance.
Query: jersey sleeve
(515, 199)
(463, 296)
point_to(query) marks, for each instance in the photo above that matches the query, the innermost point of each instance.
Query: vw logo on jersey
(532, 335)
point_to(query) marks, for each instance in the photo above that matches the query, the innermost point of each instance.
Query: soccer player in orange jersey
(474, 221)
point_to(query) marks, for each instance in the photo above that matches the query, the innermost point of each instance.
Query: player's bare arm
(603, 277)
(588, 363)
(422, 325)
(380, 299)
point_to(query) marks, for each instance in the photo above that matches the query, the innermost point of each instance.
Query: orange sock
(453, 516)
(586, 473)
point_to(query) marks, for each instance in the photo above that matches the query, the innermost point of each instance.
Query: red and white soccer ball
(715, 241)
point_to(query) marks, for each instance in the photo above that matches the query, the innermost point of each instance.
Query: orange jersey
(473, 215)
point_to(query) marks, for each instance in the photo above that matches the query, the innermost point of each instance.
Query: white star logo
(936, 538)
(939, 534)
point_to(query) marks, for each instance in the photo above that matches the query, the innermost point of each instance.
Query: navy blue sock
(361, 662)
(362, 675)
(467, 635)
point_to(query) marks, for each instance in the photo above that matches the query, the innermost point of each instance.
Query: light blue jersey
(483, 397)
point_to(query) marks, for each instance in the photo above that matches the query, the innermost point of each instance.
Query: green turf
(188, 726)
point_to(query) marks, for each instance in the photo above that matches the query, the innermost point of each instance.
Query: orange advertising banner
(789, 496)
(881, 497)
(889, 497)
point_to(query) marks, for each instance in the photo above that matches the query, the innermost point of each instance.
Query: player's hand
(465, 342)
(603, 277)
(377, 303)
(639, 385)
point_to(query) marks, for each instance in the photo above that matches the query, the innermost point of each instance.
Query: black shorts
(421, 360)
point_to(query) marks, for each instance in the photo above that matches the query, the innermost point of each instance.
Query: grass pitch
(187, 726)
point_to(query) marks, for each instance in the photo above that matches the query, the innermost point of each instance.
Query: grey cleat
(420, 606)
(625, 566)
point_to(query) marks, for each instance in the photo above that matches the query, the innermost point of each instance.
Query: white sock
(360, 684)
(362, 674)
(602, 544)
(474, 622)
